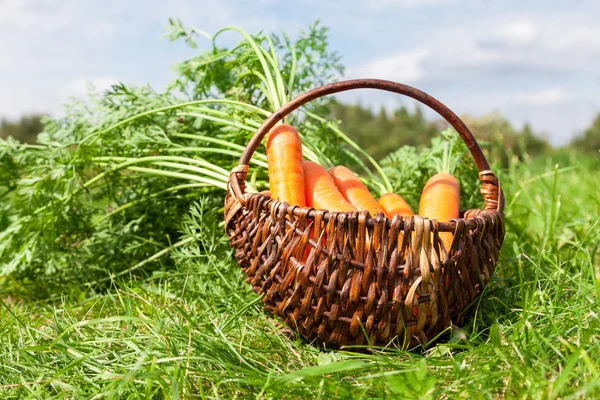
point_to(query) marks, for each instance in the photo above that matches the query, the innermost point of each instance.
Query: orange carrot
(266, 193)
(440, 200)
(354, 190)
(321, 192)
(284, 159)
(393, 204)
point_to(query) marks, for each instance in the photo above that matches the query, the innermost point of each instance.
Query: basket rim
(467, 222)
(491, 188)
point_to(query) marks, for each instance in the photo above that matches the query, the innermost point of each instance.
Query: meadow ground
(198, 330)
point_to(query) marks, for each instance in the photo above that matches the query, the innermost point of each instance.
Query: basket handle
(493, 196)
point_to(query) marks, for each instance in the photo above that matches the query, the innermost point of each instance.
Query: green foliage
(502, 141)
(409, 169)
(589, 141)
(25, 130)
(382, 133)
(293, 66)
(196, 329)
(106, 188)
(53, 205)
(412, 384)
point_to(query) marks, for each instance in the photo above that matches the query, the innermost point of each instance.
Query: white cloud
(80, 87)
(41, 15)
(541, 97)
(404, 67)
(507, 37)
(53, 47)
(518, 33)
(447, 53)
(380, 4)
(103, 29)
(521, 32)
(518, 59)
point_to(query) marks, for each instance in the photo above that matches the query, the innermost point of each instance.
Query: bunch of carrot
(306, 183)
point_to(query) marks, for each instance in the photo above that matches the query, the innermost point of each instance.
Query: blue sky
(535, 61)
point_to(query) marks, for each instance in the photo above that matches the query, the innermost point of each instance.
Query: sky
(532, 61)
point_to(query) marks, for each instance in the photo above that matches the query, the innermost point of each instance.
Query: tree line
(380, 132)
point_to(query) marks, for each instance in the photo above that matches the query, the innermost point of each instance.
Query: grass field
(197, 331)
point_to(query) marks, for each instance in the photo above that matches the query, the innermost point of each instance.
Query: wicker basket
(404, 287)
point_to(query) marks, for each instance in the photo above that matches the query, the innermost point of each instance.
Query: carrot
(440, 198)
(393, 204)
(266, 193)
(321, 192)
(354, 190)
(284, 161)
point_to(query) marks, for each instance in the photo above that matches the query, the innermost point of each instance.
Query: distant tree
(26, 129)
(589, 141)
(382, 132)
(502, 140)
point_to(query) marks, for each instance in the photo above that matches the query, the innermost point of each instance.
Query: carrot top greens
(409, 168)
(108, 183)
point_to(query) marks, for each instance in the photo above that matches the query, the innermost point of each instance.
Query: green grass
(197, 330)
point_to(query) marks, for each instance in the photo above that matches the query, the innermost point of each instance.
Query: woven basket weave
(404, 287)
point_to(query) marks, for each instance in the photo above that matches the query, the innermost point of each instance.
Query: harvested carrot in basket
(393, 204)
(354, 190)
(321, 192)
(440, 199)
(284, 161)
